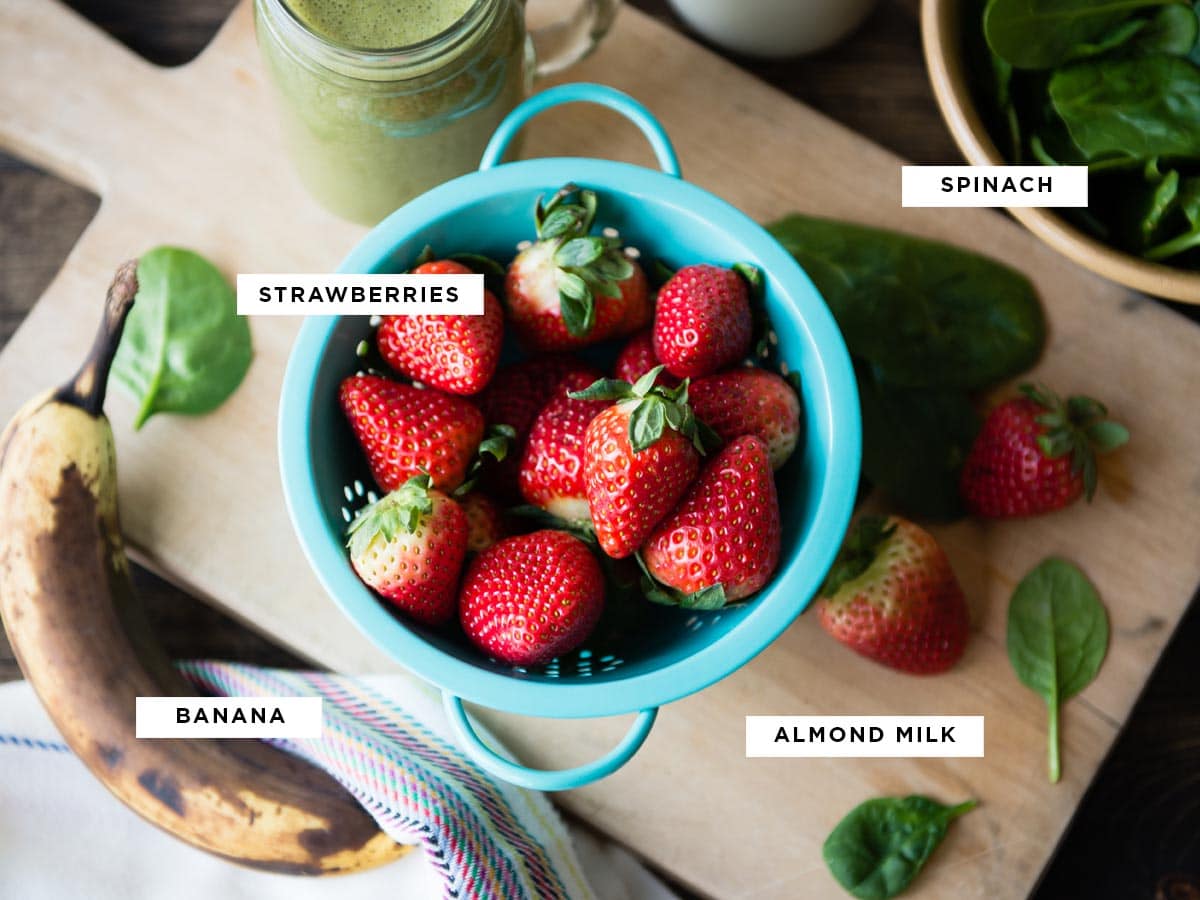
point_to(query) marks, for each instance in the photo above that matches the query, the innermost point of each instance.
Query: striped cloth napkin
(386, 739)
(488, 839)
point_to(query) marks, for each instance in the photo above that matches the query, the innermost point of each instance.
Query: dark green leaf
(709, 598)
(604, 389)
(613, 266)
(914, 444)
(561, 221)
(1041, 34)
(576, 305)
(881, 845)
(753, 276)
(579, 251)
(1107, 435)
(1188, 203)
(858, 552)
(1118, 36)
(605, 288)
(477, 262)
(1131, 107)
(712, 597)
(1171, 30)
(646, 423)
(588, 200)
(1057, 638)
(645, 382)
(425, 256)
(1082, 409)
(399, 512)
(185, 349)
(926, 314)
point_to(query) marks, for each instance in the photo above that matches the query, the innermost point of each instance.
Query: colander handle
(542, 779)
(582, 92)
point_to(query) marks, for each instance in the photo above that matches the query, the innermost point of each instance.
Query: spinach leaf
(925, 314)
(1172, 30)
(1041, 34)
(914, 444)
(1194, 53)
(1118, 37)
(1158, 200)
(185, 349)
(879, 847)
(1188, 202)
(1002, 73)
(1057, 638)
(1142, 107)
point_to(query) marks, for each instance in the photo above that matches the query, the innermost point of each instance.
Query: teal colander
(642, 655)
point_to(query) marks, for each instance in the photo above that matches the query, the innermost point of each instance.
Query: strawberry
(409, 548)
(893, 597)
(1036, 454)
(702, 321)
(531, 598)
(722, 542)
(637, 358)
(568, 288)
(747, 400)
(515, 397)
(639, 457)
(485, 523)
(457, 354)
(406, 430)
(551, 474)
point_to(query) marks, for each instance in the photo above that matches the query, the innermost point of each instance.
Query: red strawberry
(531, 598)
(637, 358)
(721, 544)
(702, 321)
(485, 523)
(515, 397)
(457, 354)
(569, 289)
(1036, 454)
(409, 547)
(551, 474)
(639, 459)
(893, 597)
(406, 430)
(747, 400)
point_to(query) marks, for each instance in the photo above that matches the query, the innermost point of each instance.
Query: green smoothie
(378, 24)
(382, 101)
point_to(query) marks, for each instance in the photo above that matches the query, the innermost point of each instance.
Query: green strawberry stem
(1052, 741)
(858, 552)
(496, 443)
(657, 408)
(586, 265)
(711, 597)
(399, 512)
(1080, 427)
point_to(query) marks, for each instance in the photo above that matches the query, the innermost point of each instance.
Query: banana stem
(87, 389)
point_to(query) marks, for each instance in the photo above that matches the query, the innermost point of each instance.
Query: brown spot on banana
(82, 641)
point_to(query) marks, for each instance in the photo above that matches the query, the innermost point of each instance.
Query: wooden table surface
(1137, 833)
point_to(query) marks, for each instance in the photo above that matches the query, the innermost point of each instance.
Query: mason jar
(369, 128)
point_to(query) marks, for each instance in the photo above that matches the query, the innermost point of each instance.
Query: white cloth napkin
(63, 835)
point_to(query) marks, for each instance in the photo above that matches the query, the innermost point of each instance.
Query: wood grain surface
(875, 84)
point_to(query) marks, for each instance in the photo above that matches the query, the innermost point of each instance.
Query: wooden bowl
(940, 32)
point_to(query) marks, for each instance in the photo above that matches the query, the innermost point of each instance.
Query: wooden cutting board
(191, 156)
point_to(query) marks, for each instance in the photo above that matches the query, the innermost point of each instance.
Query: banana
(81, 639)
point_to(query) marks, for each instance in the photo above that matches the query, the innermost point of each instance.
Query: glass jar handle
(561, 44)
